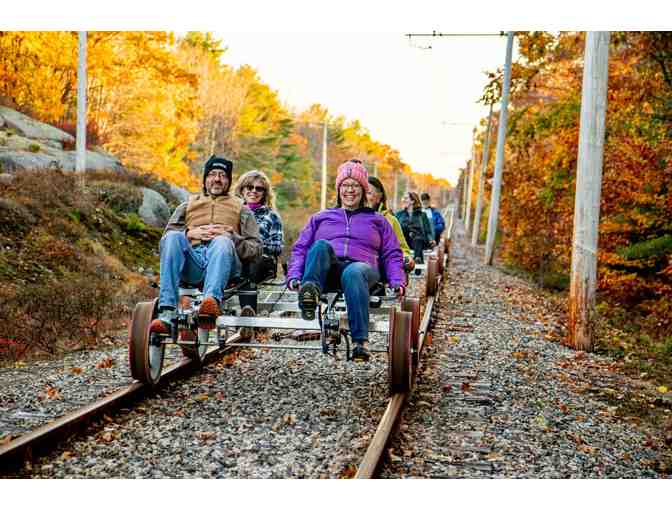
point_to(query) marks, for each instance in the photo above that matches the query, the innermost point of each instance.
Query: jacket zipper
(347, 234)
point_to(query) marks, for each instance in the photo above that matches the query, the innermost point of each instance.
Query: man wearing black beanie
(206, 240)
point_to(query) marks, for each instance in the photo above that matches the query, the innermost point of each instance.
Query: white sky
(422, 102)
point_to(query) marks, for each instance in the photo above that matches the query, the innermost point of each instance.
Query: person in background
(205, 242)
(378, 202)
(344, 248)
(415, 225)
(255, 189)
(434, 215)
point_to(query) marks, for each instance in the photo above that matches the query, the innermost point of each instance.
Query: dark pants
(418, 244)
(355, 279)
(256, 271)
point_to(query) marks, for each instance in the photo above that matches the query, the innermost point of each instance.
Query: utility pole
(588, 190)
(481, 183)
(375, 169)
(80, 162)
(499, 162)
(463, 203)
(470, 183)
(323, 194)
(396, 190)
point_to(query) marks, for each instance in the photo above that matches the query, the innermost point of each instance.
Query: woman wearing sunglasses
(346, 248)
(255, 189)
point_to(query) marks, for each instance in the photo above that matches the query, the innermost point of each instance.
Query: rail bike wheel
(399, 356)
(412, 305)
(197, 351)
(432, 275)
(446, 247)
(144, 355)
(441, 254)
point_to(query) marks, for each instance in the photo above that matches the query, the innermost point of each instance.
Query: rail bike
(397, 319)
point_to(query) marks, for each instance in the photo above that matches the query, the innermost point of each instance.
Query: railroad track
(45, 439)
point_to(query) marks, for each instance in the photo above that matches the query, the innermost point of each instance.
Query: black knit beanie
(217, 163)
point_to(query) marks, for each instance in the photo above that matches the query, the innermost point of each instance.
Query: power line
(441, 34)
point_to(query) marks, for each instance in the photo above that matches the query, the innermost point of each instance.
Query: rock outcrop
(26, 143)
(154, 209)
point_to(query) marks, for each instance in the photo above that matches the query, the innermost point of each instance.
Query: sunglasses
(258, 189)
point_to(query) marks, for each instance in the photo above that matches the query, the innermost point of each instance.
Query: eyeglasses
(258, 189)
(217, 175)
(350, 187)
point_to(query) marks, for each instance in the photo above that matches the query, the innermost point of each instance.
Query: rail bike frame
(398, 319)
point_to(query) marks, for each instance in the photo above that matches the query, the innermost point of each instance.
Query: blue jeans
(355, 279)
(214, 263)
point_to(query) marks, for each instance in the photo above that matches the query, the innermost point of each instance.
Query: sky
(418, 96)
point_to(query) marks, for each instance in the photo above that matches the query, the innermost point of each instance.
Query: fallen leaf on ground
(53, 393)
(76, 370)
(105, 363)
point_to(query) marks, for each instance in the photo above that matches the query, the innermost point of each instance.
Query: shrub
(16, 218)
(119, 196)
(134, 224)
(37, 316)
(34, 147)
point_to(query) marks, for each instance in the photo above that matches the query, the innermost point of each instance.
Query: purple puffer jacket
(366, 237)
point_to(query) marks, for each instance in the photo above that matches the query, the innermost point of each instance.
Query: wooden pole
(396, 190)
(499, 162)
(481, 183)
(463, 201)
(323, 193)
(470, 184)
(80, 162)
(588, 190)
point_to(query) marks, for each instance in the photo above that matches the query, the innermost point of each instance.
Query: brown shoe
(162, 325)
(159, 327)
(247, 333)
(208, 313)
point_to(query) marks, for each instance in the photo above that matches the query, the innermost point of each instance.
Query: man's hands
(208, 232)
(399, 291)
(293, 284)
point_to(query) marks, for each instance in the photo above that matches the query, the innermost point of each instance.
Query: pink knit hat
(354, 171)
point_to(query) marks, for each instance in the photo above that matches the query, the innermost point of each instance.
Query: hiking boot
(309, 297)
(360, 351)
(246, 332)
(208, 313)
(163, 324)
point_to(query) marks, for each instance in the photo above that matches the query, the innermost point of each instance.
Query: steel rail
(46, 438)
(369, 465)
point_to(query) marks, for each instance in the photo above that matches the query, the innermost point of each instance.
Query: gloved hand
(409, 264)
(293, 284)
(399, 290)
